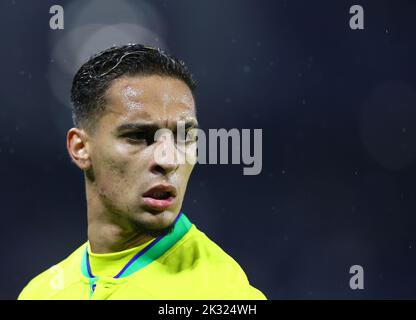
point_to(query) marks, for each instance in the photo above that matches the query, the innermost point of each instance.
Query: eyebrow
(150, 126)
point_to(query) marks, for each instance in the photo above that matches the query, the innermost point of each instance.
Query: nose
(165, 158)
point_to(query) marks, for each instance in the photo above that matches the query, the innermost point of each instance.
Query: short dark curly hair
(95, 76)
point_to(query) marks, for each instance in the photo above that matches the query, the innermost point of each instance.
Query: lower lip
(159, 204)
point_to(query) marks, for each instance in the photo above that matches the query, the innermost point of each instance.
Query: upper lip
(161, 188)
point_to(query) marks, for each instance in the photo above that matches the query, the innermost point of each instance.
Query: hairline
(89, 124)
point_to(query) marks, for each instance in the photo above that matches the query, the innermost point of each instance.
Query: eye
(188, 138)
(138, 137)
(191, 136)
(135, 135)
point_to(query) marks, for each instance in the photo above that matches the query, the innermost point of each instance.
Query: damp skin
(164, 101)
(129, 95)
(187, 100)
(123, 163)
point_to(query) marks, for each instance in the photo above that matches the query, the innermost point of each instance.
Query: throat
(108, 238)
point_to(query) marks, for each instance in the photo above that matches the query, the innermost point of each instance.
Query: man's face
(122, 150)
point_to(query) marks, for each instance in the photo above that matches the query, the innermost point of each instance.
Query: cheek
(122, 172)
(188, 170)
(110, 167)
(183, 176)
(111, 163)
(110, 179)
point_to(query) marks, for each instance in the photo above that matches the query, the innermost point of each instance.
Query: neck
(107, 237)
(109, 232)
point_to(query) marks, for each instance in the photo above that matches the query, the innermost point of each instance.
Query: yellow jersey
(183, 264)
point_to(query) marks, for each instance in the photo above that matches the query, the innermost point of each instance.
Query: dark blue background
(338, 113)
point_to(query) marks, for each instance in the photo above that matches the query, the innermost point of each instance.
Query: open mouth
(161, 191)
(160, 197)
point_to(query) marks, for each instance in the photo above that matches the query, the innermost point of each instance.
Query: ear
(77, 146)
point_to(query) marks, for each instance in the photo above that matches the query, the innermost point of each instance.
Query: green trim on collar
(148, 254)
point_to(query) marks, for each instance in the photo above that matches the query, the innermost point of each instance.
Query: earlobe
(77, 146)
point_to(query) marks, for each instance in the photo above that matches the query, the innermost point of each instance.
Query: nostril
(158, 169)
(164, 169)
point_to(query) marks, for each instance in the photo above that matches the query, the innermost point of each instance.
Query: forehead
(156, 99)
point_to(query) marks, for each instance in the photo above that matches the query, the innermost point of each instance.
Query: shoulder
(196, 245)
(197, 252)
(54, 279)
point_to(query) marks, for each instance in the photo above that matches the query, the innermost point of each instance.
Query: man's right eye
(138, 137)
(135, 136)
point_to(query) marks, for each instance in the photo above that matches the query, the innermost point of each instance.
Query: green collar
(148, 254)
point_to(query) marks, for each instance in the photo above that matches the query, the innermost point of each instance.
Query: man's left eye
(189, 137)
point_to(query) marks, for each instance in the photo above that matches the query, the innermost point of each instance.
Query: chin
(153, 220)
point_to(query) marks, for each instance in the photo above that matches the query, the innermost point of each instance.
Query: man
(140, 245)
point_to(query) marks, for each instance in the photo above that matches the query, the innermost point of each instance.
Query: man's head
(121, 97)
